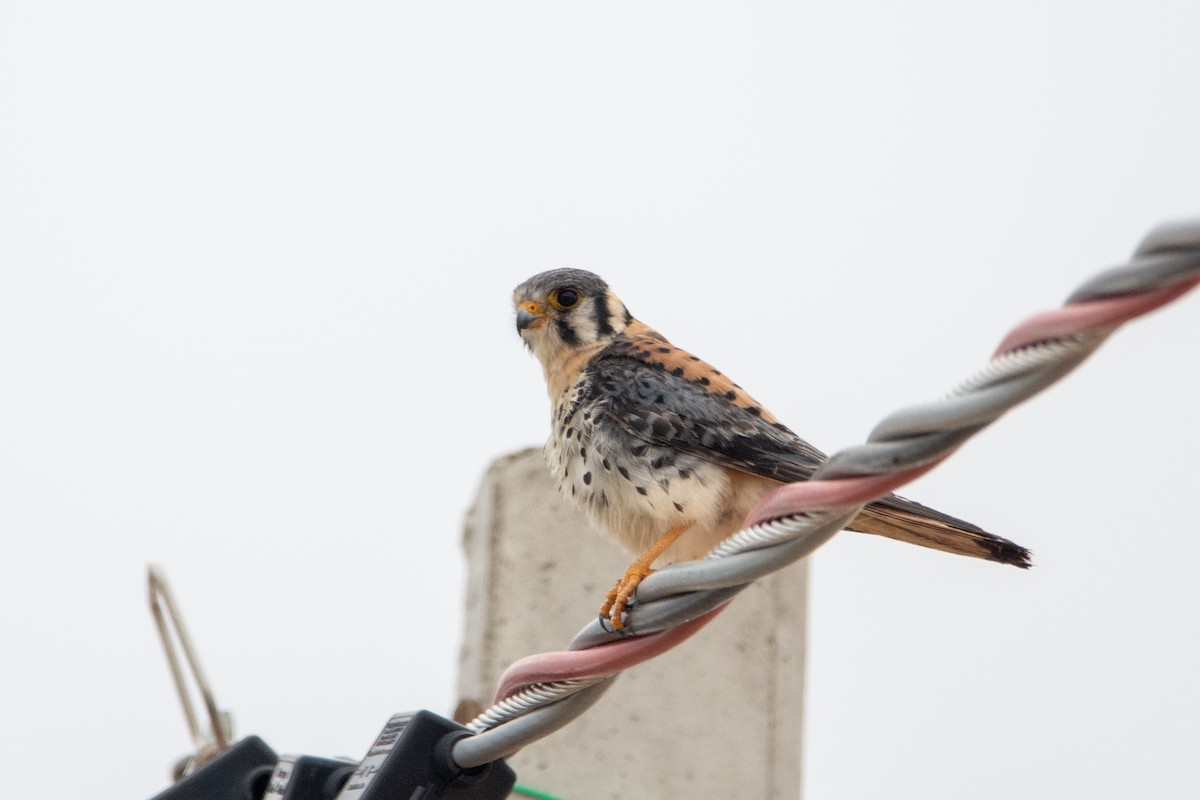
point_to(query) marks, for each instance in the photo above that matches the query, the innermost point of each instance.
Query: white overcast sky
(255, 268)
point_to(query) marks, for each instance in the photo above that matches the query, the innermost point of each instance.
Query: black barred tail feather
(901, 519)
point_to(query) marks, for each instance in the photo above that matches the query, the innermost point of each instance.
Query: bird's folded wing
(654, 404)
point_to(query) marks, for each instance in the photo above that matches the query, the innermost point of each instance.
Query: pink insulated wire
(605, 659)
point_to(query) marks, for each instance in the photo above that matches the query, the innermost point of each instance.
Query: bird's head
(567, 311)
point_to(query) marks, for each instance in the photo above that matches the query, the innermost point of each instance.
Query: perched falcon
(668, 454)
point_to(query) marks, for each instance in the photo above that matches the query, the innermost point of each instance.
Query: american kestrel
(668, 454)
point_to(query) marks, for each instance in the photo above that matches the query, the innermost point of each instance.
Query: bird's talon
(619, 598)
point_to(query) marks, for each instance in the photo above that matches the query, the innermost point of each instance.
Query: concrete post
(718, 717)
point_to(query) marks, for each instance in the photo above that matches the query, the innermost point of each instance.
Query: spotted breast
(630, 486)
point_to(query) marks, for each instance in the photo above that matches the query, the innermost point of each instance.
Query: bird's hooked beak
(530, 315)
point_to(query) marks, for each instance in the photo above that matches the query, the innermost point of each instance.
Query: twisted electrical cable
(541, 693)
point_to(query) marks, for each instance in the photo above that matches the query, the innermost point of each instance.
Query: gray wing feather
(664, 409)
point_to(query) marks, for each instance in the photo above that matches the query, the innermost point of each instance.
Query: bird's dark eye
(565, 299)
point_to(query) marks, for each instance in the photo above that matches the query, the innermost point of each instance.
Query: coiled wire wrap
(540, 694)
(794, 520)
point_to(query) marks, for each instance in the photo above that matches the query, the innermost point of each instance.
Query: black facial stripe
(566, 332)
(604, 327)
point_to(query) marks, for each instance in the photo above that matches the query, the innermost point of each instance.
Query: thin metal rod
(160, 596)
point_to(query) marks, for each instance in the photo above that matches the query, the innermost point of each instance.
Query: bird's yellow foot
(618, 597)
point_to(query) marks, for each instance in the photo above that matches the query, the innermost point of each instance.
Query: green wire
(537, 793)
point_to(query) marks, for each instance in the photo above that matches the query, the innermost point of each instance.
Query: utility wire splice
(542, 693)
(410, 758)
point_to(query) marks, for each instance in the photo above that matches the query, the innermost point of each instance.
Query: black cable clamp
(410, 760)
